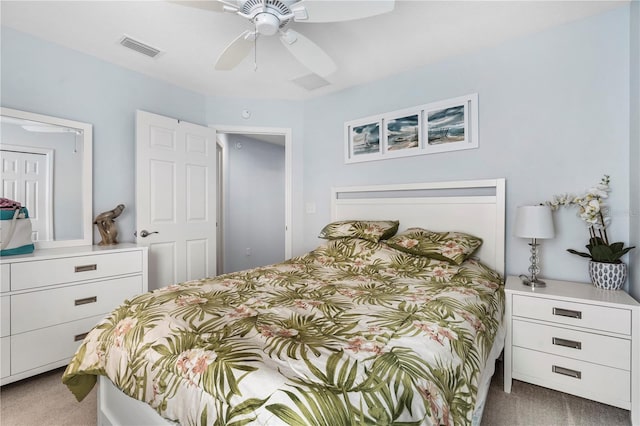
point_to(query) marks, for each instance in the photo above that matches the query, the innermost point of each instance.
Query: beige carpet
(530, 405)
(44, 400)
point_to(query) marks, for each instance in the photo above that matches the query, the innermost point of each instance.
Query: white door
(176, 198)
(26, 178)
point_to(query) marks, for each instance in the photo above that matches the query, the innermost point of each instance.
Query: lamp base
(532, 282)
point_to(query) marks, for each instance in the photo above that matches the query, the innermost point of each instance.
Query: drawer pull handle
(79, 337)
(566, 372)
(85, 268)
(567, 313)
(567, 343)
(86, 300)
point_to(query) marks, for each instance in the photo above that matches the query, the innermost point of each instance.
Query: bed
(358, 331)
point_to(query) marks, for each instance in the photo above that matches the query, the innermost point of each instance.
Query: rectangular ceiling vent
(139, 47)
(310, 81)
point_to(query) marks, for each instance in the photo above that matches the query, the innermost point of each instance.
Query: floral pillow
(452, 247)
(370, 230)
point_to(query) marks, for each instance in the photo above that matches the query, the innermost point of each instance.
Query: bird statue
(107, 226)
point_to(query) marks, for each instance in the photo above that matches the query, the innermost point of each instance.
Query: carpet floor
(44, 400)
(530, 405)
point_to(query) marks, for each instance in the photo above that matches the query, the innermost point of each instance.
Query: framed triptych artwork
(448, 125)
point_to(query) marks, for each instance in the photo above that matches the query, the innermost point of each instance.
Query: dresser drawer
(38, 309)
(577, 314)
(5, 356)
(46, 345)
(609, 385)
(25, 275)
(5, 277)
(5, 316)
(591, 347)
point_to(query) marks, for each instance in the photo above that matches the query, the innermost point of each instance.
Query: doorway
(253, 197)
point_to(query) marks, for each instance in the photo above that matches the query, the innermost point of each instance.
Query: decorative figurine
(107, 226)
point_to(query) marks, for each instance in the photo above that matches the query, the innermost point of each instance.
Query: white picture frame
(442, 126)
(451, 125)
(364, 139)
(402, 136)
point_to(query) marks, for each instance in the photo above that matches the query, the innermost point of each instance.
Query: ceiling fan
(271, 17)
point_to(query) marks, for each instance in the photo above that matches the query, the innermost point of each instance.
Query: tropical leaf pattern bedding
(354, 332)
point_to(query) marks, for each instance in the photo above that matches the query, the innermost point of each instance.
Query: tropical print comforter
(354, 332)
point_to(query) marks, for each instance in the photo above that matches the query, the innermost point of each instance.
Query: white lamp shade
(534, 222)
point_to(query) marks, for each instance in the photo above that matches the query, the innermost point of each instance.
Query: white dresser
(575, 338)
(53, 297)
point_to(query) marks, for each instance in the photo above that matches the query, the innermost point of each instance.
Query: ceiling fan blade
(214, 5)
(236, 51)
(336, 11)
(308, 53)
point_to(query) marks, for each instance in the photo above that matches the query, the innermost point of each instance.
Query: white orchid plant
(595, 213)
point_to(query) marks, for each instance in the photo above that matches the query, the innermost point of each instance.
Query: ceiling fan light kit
(273, 16)
(266, 23)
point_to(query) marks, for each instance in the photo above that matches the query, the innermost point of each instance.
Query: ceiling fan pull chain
(255, 48)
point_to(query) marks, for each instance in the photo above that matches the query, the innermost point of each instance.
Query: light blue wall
(634, 157)
(45, 78)
(254, 205)
(554, 117)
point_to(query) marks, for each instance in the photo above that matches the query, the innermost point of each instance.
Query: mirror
(47, 167)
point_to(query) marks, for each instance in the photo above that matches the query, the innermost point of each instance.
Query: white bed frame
(476, 207)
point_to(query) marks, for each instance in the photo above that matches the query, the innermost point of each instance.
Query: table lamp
(533, 222)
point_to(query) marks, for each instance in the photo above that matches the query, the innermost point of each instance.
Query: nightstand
(574, 338)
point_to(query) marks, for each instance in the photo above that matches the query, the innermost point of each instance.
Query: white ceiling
(415, 34)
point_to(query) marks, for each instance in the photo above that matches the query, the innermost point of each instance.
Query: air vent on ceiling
(139, 47)
(310, 81)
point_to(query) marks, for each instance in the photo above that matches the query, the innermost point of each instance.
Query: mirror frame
(87, 173)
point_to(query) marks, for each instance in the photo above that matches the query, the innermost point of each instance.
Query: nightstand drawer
(609, 385)
(577, 314)
(590, 347)
(39, 309)
(25, 275)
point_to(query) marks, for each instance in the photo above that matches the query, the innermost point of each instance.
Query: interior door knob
(144, 233)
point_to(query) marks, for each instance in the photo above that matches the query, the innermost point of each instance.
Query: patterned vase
(608, 276)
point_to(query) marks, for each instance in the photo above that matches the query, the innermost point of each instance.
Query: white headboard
(476, 207)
